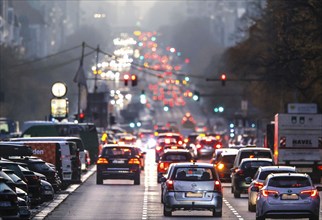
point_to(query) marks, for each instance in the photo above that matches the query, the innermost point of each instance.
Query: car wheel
(236, 194)
(99, 179)
(251, 207)
(137, 179)
(260, 217)
(167, 211)
(216, 214)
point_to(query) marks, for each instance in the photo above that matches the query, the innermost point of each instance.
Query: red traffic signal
(81, 115)
(223, 79)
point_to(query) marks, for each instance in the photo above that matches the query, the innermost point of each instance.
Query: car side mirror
(319, 188)
(163, 179)
(248, 180)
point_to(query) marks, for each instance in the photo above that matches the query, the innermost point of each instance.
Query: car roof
(119, 145)
(255, 159)
(254, 148)
(191, 164)
(272, 168)
(168, 151)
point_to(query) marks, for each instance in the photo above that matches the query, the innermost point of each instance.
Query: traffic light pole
(95, 83)
(79, 85)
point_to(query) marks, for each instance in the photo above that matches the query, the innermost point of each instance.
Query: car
(161, 144)
(247, 168)
(223, 163)
(192, 186)
(171, 156)
(32, 180)
(118, 162)
(19, 183)
(38, 165)
(9, 201)
(288, 195)
(219, 151)
(206, 145)
(256, 183)
(141, 155)
(252, 152)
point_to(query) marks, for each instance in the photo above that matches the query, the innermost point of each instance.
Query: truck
(298, 142)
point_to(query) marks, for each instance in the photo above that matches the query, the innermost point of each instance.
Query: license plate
(304, 169)
(118, 161)
(193, 195)
(5, 204)
(290, 197)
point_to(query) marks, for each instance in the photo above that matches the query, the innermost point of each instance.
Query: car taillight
(258, 184)
(239, 171)
(186, 140)
(220, 166)
(312, 192)
(158, 148)
(217, 186)
(198, 146)
(102, 161)
(218, 146)
(266, 192)
(170, 185)
(134, 161)
(319, 167)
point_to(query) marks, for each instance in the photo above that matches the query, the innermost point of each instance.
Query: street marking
(232, 209)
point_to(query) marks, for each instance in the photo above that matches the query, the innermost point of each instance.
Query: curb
(46, 208)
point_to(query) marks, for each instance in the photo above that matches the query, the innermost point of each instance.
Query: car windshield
(176, 157)
(40, 166)
(194, 174)
(117, 152)
(289, 182)
(4, 187)
(264, 174)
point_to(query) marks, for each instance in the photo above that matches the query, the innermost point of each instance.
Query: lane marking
(232, 209)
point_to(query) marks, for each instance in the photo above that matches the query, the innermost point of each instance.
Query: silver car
(289, 195)
(258, 181)
(192, 186)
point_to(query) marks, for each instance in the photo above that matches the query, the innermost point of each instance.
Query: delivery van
(62, 154)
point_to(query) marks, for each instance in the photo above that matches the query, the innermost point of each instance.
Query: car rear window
(255, 164)
(176, 157)
(194, 174)
(289, 182)
(229, 159)
(255, 154)
(264, 174)
(117, 152)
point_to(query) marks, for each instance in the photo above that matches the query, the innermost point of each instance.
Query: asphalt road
(121, 199)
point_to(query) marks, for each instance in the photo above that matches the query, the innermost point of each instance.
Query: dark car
(223, 163)
(247, 168)
(118, 162)
(38, 165)
(171, 156)
(8, 201)
(33, 181)
(16, 179)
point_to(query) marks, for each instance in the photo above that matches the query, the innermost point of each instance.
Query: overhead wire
(44, 58)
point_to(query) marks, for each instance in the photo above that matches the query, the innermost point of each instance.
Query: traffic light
(81, 117)
(143, 97)
(196, 96)
(126, 79)
(134, 79)
(223, 79)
